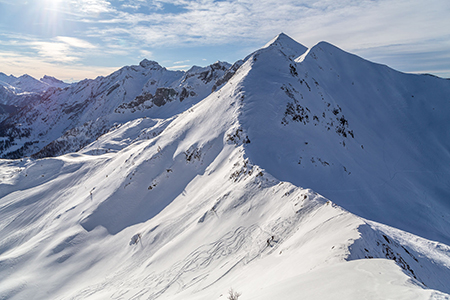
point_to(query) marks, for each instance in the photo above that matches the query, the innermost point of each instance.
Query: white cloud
(92, 7)
(349, 23)
(60, 49)
(181, 62)
(179, 67)
(377, 23)
(53, 51)
(146, 53)
(135, 7)
(206, 22)
(75, 42)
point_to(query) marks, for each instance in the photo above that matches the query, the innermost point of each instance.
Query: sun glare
(50, 16)
(52, 3)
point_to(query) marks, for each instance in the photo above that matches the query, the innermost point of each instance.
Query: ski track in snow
(244, 244)
(240, 246)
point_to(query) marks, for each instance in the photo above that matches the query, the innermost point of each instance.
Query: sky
(77, 39)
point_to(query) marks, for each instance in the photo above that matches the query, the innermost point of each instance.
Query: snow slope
(190, 204)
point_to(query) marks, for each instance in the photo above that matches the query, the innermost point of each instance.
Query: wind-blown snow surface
(190, 205)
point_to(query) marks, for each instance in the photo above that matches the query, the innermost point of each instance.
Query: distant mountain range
(294, 173)
(52, 118)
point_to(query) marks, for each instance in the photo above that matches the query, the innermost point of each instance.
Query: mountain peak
(327, 46)
(280, 37)
(26, 76)
(49, 79)
(46, 77)
(52, 81)
(149, 64)
(287, 45)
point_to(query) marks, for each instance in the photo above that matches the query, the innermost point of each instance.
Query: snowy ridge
(383, 131)
(288, 46)
(54, 82)
(186, 202)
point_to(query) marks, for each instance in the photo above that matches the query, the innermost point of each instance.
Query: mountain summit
(149, 64)
(288, 45)
(292, 172)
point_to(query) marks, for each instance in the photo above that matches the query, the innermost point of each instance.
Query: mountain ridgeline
(294, 171)
(63, 119)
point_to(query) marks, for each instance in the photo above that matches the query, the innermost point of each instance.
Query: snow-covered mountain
(187, 198)
(65, 120)
(28, 84)
(17, 92)
(54, 82)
